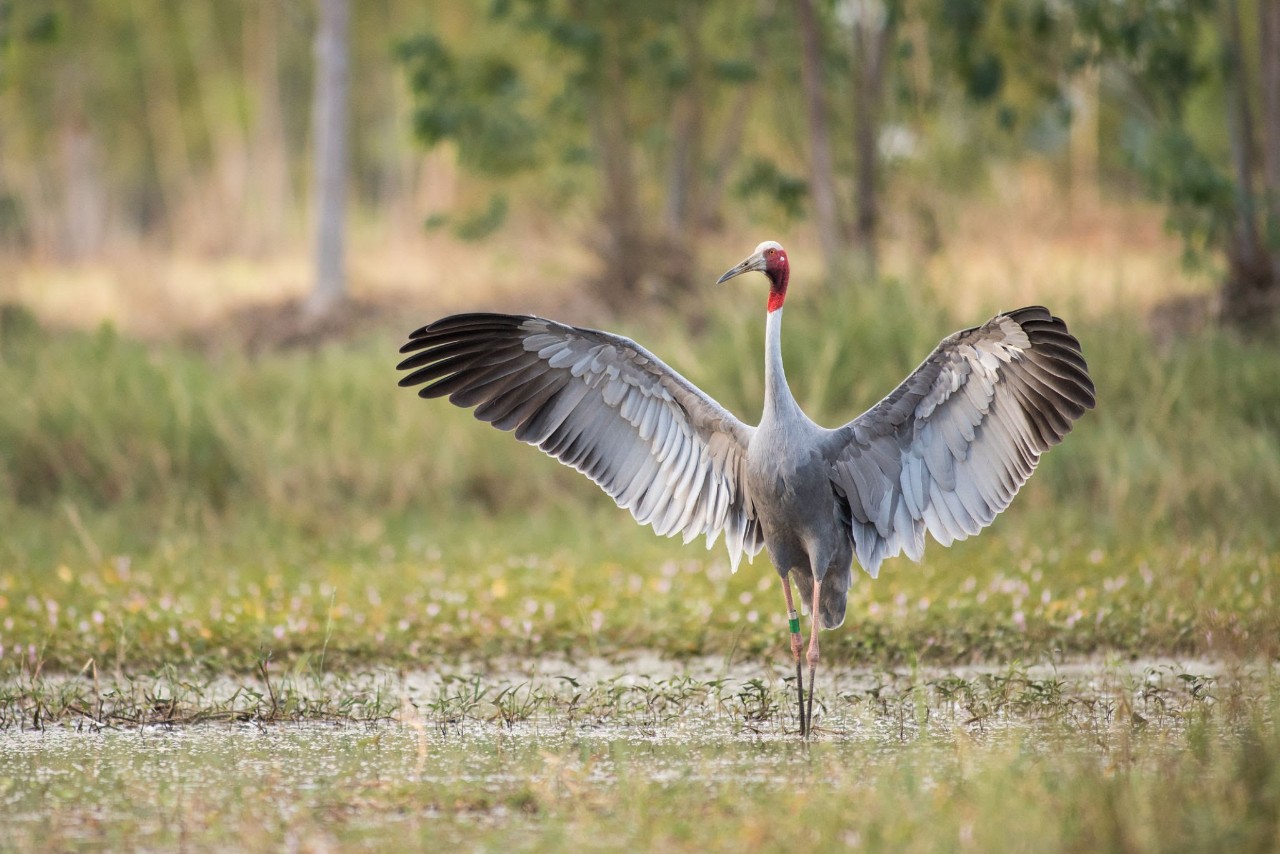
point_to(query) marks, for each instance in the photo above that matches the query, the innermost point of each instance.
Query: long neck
(777, 395)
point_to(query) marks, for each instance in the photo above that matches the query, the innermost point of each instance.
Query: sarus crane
(944, 453)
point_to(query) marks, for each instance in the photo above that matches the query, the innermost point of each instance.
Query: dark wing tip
(1057, 351)
(1031, 312)
(453, 328)
(408, 381)
(476, 321)
(430, 345)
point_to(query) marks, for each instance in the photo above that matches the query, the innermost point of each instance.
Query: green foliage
(476, 101)
(735, 70)
(41, 27)
(1012, 61)
(1198, 190)
(982, 70)
(1173, 59)
(1159, 44)
(484, 222)
(762, 179)
(601, 78)
(476, 224)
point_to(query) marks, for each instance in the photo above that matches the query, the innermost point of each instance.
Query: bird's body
(804, 525)
(943, 453)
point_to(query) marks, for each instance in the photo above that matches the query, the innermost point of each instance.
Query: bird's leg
(813, 654)
(793, 623)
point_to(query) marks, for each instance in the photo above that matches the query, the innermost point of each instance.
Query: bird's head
(771, 259)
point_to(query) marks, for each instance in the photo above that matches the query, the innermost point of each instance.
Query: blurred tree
(742, 73)
(1187, 79)
(623, 88)
(688, 118)
(190, 124)
(269, 192)
(822, 176)
(1192, 63)
(873, 24)
(53, 152)
(329, 189)
(1269, 77)
(1012, 64)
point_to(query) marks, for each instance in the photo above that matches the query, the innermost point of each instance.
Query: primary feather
(606, 406)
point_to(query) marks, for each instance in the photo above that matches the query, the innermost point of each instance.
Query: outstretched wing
(601, 403)
(949, 448)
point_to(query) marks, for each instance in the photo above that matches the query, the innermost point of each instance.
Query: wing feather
(653, 441)
(947, 450)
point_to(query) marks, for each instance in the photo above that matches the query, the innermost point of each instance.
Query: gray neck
(778, 402)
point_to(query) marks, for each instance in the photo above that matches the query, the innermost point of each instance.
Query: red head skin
(778, 270)
(771, 259)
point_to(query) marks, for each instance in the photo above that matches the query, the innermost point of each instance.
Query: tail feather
(833, 599)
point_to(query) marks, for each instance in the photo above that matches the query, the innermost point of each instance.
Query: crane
(943, 453)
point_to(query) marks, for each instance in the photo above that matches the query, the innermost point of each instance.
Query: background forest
(634, 133)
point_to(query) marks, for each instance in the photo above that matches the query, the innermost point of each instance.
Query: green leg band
(794, 623)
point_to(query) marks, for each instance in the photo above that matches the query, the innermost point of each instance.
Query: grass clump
(96, 419)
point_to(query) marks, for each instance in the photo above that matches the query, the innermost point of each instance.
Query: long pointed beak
(754, 263)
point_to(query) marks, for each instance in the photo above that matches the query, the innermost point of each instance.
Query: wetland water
(516, 747)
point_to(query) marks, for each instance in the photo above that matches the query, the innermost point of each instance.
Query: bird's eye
(771, 252)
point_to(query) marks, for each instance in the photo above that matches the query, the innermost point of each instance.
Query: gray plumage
(604, 405)
(944, 453)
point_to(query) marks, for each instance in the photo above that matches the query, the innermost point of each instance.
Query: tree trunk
(330, 122)
(821, 171)
(84, 202)
(223, 191)
(1084, 190)
(622, 251)
(1269, 40)
(162, 113)
(685, 154)
(872, 31)
(269, 190)
(632, 267)
(686, 148)
(726, 153)
(1249, 294)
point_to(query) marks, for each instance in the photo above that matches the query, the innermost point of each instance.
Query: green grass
(161, 503)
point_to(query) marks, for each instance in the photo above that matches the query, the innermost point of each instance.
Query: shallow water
(489, 746)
